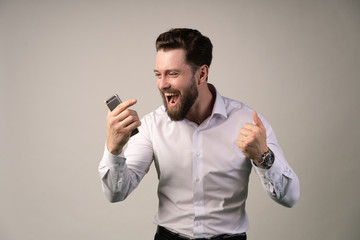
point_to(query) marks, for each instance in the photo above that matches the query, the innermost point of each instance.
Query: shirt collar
(219, 104)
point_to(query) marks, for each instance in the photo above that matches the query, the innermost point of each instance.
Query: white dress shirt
(203, 175)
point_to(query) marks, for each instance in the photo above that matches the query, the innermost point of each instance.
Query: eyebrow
(168, 70)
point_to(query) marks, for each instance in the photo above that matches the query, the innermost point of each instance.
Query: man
(203, 146)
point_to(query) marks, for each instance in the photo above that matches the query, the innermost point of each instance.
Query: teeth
(170, 97)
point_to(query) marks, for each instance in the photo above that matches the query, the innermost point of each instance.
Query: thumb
(257, 120)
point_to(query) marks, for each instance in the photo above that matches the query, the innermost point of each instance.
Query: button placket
(197, 182)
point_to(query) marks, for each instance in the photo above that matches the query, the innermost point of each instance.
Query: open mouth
(171, 98)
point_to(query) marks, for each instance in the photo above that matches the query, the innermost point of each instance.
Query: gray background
(297, 62)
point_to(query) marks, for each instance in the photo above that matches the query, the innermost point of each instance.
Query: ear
(203, 73)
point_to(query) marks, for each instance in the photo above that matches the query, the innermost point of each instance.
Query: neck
(203, 106)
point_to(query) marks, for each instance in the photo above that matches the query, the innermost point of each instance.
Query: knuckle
(120, 109)
(111, 121)
(131, 119)
(127, 111)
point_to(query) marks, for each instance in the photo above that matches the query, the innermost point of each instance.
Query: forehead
(170, 59)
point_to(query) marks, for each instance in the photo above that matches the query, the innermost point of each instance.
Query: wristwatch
(268, 159)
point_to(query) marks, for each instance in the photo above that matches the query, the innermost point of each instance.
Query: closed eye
(173, 74)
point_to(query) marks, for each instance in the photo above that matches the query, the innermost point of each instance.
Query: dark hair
(198, 48)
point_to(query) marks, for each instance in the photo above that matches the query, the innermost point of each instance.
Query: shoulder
(243, 113)
(237, 107)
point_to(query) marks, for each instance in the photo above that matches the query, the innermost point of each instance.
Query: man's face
(176, 83)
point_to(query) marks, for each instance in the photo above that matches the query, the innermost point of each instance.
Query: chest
(185, 151)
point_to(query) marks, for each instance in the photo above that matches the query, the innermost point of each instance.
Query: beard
(185, 102)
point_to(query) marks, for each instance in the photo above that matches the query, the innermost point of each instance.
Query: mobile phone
(112, 103)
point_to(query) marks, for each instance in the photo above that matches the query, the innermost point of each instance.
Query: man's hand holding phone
(122, 123)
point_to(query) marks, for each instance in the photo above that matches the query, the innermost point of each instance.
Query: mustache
(170, 90)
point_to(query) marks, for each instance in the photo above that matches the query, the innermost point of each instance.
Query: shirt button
(198, 154)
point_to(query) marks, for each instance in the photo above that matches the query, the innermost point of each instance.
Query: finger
(134, 125)
(128, 127)
(125, 114)
(245, 132)
(124, 128)
(240, 144)
(257, 120)
(108, 114)
(124, 105)
(122, 120)
(250, 126)
(128, 120)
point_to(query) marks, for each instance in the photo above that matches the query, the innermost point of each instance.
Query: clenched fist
(120, 123)
(252, 139)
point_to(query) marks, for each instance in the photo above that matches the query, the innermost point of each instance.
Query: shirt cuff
(110, 159)
(273, 173)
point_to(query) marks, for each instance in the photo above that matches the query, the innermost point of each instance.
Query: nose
(163, 82)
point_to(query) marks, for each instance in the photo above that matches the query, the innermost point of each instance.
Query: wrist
(259, 159)
(113, 151)
(116, 153)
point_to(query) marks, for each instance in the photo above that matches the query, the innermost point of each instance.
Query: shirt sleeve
(121, 174)
(280, 182)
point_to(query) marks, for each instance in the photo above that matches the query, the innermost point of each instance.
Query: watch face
(269, 159)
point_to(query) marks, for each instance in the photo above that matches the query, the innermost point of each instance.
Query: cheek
(180, 84)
